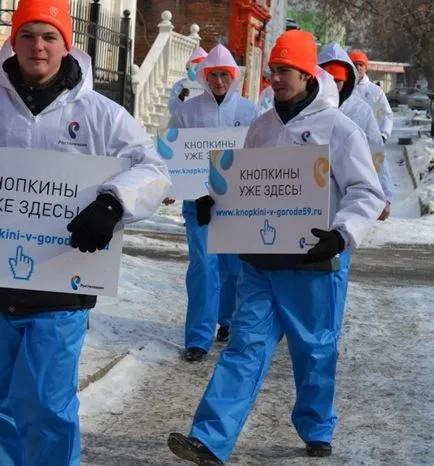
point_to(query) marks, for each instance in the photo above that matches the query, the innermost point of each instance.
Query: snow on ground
(421, 155)
(406, 225)
(146, 320)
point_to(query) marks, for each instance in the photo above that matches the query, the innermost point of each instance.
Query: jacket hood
(193, 65)
(219, 56)
(83, 88)
(333, 52)
(197, 55)
(328, 95)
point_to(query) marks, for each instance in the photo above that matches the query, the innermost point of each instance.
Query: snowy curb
(419, 161)
(412, 175)
(101, 372)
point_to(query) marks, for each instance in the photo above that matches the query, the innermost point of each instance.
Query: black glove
(93, 227)
(203, 210)
(330, 243)
(183, 94)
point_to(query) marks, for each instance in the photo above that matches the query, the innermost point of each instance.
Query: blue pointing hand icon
(268, 234)
(21, 265)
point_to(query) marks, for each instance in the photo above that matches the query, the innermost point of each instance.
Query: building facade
(211, 16)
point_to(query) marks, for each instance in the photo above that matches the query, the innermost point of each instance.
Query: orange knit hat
(338, 70)
(198, 60)
(359, 57)
(296, 49)
(54, 12)
(207, 71)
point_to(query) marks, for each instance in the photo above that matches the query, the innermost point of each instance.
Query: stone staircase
(162, 67)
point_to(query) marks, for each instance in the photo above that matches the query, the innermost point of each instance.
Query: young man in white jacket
(210, 278)
(373, 94)
(47, 102)
(180, 90)
(336, 62)
(299, 294)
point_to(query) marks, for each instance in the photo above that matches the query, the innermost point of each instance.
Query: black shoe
(193, 450)
(318, 449)
(223, 334)
(194, 354)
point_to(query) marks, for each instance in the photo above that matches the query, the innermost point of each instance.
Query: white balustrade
(164, 64)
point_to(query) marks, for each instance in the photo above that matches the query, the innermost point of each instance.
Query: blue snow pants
(308, 306)
(229, 271)
(211, 284)
(39, 359)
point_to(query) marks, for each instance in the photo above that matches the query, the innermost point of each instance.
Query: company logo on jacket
(74, 128)
(73, 131)
(305, 136)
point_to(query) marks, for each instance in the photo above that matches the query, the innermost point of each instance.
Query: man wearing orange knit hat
(47, 103)
(302, 295)
(373, 95)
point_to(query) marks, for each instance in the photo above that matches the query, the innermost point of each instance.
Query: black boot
(223, 334)
(193, 450)
(318, 449)
(194, 354)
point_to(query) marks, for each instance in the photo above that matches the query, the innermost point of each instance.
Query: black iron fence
(105, 37)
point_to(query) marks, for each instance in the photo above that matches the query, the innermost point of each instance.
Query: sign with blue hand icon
(267, 200)
(21, 265)
(268, 233)
(40, 192)
(187, 152)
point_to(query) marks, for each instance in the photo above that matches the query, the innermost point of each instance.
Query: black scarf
(288, 110)
(219, 98)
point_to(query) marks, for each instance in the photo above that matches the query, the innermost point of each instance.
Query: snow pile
(421, 160)
(420, 117)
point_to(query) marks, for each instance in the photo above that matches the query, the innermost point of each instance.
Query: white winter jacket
(204, 112)
(174, 102)
(377, 99)
(359, 111)
(356, 195)
(104, 128)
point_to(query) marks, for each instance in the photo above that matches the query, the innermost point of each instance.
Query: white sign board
(40, 192)
(267, 200)
(186, 152)
(191, 82)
